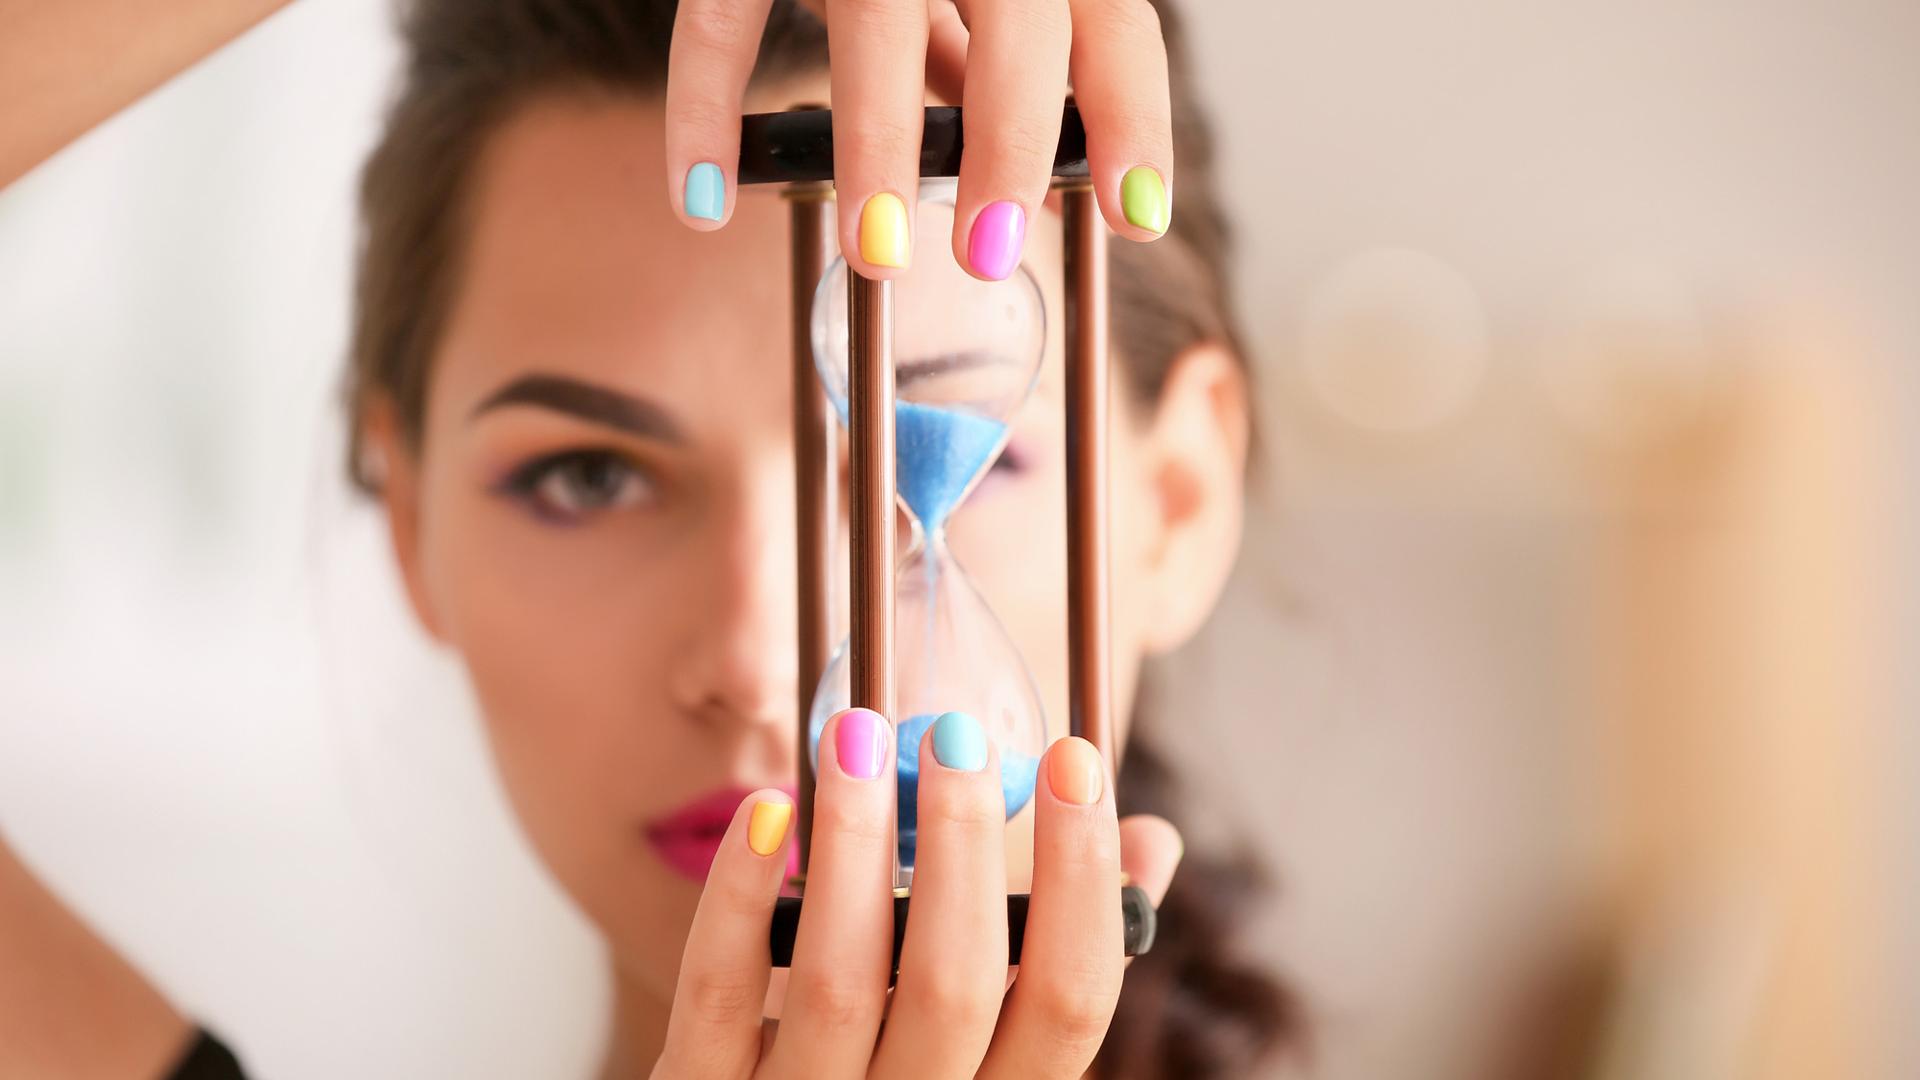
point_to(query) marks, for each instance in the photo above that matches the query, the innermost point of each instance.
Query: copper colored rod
(813, 423)
(870, 489)
(1089, 647)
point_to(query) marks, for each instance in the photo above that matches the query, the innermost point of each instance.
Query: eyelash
(529, 485)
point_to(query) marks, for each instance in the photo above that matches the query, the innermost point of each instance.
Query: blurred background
(1568, 652)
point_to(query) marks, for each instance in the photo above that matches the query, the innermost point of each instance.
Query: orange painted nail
(1075, 771)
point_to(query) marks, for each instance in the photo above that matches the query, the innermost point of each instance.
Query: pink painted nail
(861, 743)
(994, 245)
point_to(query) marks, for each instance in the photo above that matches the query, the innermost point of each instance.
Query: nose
(737, 666)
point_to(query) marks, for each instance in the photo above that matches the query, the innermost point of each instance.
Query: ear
(1193, 460)
(396, 468)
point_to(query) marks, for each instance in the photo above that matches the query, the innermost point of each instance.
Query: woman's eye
(578, 483)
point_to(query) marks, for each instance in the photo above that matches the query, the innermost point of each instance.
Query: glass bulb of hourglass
(967, 354)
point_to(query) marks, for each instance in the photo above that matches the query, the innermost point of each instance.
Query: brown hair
(1190, 1008)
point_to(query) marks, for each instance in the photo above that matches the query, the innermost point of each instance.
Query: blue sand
(937, 453)
(1018, 773)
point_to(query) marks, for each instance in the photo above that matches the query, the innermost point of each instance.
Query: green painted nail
(1143, 197)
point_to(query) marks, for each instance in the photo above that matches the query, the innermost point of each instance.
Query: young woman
(573, 408)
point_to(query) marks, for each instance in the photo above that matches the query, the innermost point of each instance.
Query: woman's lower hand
(952, 1013)
(1006, 61)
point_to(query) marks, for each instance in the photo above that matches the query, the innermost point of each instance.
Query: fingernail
(1143, 198)
(1074, 770)
(993, 247)
(861, 743)
(958, 742)
(706, 192)
(883, 230)
(768, 826)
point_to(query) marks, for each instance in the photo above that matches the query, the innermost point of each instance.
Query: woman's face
(600, 520)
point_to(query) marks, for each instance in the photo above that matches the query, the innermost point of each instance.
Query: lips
(688, 838)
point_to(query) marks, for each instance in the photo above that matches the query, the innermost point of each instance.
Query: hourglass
(967, 355)
(921, 641)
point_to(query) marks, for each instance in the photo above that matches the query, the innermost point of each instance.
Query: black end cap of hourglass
(1138, 920)
(797, 147)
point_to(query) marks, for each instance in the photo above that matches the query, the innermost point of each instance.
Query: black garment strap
(207, 1059)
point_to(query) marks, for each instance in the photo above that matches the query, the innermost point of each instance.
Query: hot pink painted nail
(861, 743)
(994, 245)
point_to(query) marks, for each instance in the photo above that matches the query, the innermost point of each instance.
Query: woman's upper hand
(1007, 62)
(951, 1013)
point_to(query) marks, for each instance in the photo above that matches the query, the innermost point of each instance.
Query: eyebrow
(926, 367)
(597, 404)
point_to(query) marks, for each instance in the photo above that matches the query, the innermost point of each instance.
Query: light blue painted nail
(958, 742)
(706, 192)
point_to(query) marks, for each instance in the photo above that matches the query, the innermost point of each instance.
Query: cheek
(530, 600)
(552, 626)
(1011, 539)
(1136, 537)
(566, 636)
(1136, 532)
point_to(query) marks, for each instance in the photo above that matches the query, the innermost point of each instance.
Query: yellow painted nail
(768, 826)
(884, 239)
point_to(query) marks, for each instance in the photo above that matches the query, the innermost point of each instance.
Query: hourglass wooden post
(810, 207)
(1089, 588)
(870, 490)
(870, 495)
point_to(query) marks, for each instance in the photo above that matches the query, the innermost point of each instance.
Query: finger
(1070, 959)
(843, 947)
(1150, 851)
(878, 78)
(953, 964)
(946, 51)
(1120, 83)
(714, 1028)
(714, 46)
(1016, 84)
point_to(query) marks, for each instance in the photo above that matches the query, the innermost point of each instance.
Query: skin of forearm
(67, 65)
(70, 1006)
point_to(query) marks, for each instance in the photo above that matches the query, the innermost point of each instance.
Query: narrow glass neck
(925, 538)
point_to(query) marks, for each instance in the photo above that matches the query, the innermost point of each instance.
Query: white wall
(220, 735)
(1407, 731)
